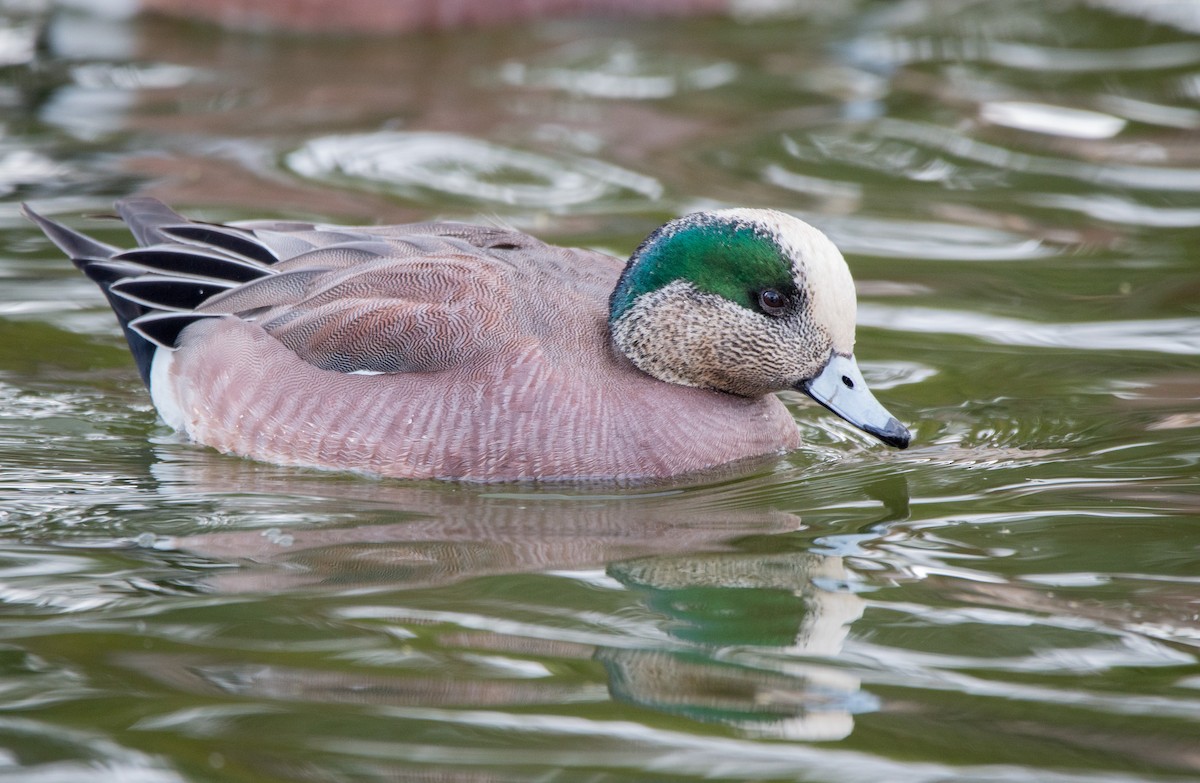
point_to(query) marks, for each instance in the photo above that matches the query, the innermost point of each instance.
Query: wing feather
(396, 315)
(412, 298)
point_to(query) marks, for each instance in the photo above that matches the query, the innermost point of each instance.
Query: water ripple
(1116, 209)
(78, 755)
(413, 162)
(887, 51)
(1134, 177)
(882, 238)
(18, 43)
(1165, 335)
(616, 70)
(1054, 120)
(663, 751)
(953, 158)
(27, 167)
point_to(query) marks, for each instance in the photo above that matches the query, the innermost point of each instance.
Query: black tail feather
(156, 292)
(194, 263)
(126, 312)
(152, 290)
(104, 272)
(71, 242)
(93, 258)
(231, 240)
(146, 217)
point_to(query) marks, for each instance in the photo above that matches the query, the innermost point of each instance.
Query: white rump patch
(162, 389)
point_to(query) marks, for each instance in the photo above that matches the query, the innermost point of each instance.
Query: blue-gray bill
(840, 387)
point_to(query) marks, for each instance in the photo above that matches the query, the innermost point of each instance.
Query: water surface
(1017, 597)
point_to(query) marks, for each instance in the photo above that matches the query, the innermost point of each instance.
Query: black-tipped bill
(840, 387)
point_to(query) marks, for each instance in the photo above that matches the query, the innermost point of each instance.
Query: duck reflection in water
(789, 611)
(764, 629)
(744, 639)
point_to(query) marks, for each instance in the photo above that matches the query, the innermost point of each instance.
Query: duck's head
(747, 301)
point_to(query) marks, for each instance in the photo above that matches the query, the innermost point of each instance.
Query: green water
(1016, 186)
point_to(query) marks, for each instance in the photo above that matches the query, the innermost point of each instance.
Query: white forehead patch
(820, 269)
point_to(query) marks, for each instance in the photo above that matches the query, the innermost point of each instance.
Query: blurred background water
(1016, 186)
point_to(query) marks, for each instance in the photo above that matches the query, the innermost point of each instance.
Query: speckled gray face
(747, 302)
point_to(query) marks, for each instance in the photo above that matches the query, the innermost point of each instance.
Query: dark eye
(772, 302)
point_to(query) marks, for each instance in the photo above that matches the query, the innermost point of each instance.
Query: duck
(461, 352)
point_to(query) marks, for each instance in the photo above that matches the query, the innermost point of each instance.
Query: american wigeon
(457, 351)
